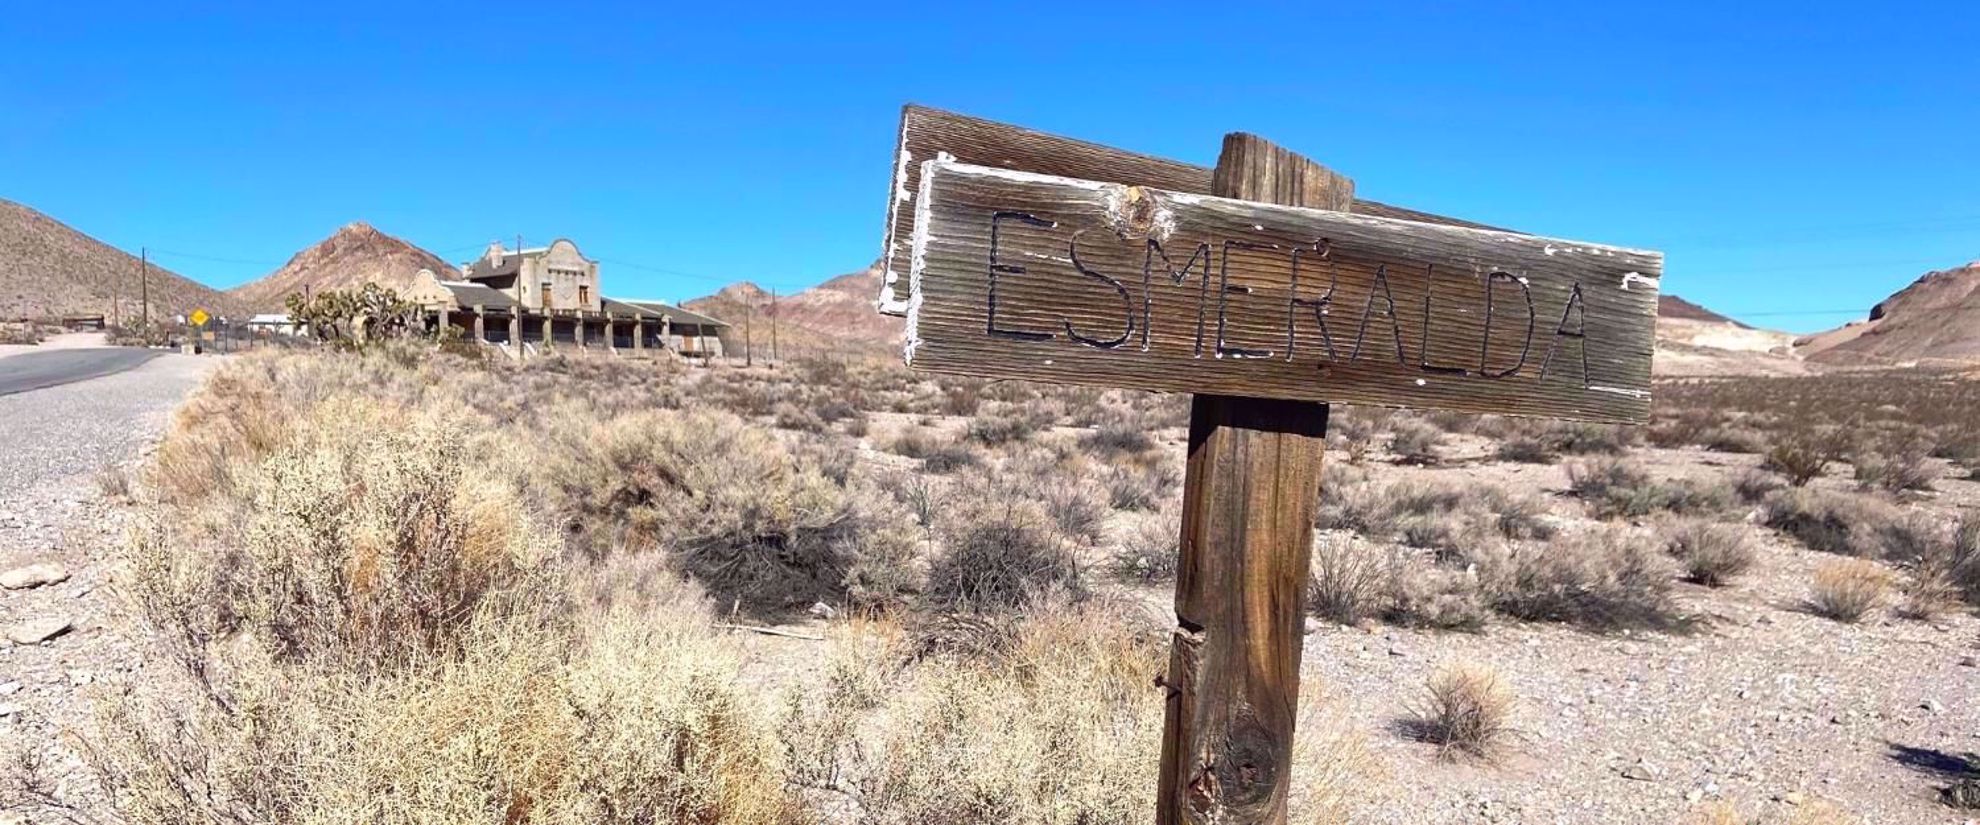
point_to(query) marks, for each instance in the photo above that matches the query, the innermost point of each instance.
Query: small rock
(1932, 706)
(14, 819)
(1312, 625)
(1694, 795)
(34, 575)
(1969, 661)
(9, 688)
(823, 611)
(80, 678)
(8, 709)
(1793, 797)
(1641, 772)
(36, 631)
(1398, 652)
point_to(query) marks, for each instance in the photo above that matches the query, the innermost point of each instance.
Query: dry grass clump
(1619, 487)
(1848, 589)
(1711, 553)
(1350, 580)
(1117, 439)
(1467, 710)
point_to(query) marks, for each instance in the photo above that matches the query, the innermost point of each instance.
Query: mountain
(1934, 320)
(357, 254)
(837, 316)
(1695, 341)
(48, 269)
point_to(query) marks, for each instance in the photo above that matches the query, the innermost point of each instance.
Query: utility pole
(749, 314)
(773, 326)
(519, 298)
(144, 285)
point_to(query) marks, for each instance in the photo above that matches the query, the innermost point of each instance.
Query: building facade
(548, 298)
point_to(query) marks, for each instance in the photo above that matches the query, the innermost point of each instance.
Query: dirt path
(58, 441)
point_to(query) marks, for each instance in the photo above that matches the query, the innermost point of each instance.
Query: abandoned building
(547, 298)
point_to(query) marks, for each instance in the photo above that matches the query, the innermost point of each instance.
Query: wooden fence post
(1249, 493)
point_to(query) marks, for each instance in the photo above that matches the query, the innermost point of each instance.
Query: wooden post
(1249, 493)
(639, 333)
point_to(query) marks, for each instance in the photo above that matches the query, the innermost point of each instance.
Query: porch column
(515, 328)
(611, 344)
(549, 342)
(480, 323)
(666, 331)
(639, 333)
(577, 329)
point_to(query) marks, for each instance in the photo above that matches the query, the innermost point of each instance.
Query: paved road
(40, 370)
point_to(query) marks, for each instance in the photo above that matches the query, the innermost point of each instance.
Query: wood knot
(1138, 214)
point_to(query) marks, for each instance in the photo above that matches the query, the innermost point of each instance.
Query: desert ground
(411, 586)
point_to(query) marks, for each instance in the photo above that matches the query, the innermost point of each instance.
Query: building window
(584, 295)
(543, 297)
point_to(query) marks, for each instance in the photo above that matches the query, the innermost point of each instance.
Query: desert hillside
(835, 316)
(355, 255)
(1935, 319)
(50, 269)
(1695, 341)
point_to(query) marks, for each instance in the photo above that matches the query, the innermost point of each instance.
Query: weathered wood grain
(1252, 483)
(928, 134)
(1019, 275)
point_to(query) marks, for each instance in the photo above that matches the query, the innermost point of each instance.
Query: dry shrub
(793, 417)
(1753, 485)
(1543, 442)
(1841, 523)
(1000, 554)
(1800, 457)
(1467, 710)
(1350, 580)
(1140, 487)
(1415, 441)
(1440, 515)
(1898, 469)
(1927, 594)
(1003, 423)
(755, 520)
(1847, 589)
(1447, 595)
(1149, 549)
(361, 542)
(638, 722)
(1712, 554)
(1602, 578)
(1618, 487)
(1057, 724)
(1117, 439)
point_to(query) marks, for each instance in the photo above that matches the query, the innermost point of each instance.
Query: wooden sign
(1020, 275)
(932, 134)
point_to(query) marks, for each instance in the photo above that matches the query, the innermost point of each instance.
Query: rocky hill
(837, 316)
(1935, 320)
(355, 255)
(49, 269)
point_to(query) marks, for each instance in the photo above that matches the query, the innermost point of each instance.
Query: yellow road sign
(199, 317)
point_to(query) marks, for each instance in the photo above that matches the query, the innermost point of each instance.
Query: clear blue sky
(1802, 157)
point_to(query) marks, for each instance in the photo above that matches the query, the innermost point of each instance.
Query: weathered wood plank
(1249, 494)
(928, 134)
(1019, 275)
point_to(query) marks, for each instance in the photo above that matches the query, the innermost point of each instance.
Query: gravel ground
(58, 442)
